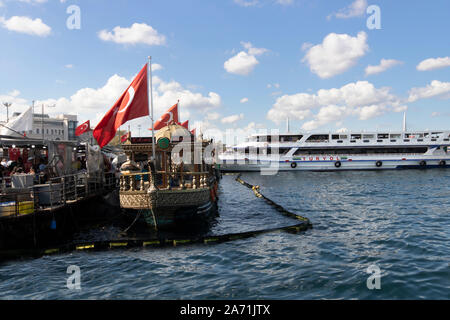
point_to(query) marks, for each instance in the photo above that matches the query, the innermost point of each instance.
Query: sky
(244, 65)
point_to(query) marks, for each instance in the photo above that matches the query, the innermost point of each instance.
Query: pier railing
(141, 181)
(56, 193)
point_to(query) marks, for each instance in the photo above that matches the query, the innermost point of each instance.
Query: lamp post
(7, 105)
(42, 124)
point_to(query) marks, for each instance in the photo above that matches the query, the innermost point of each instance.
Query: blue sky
(242, 64)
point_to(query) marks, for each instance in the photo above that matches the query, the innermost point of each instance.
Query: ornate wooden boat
(173, 190)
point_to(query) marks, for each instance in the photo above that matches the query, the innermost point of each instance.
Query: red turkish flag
(85, 127)
(171, 116)
(193, 131)
(124, 138)
(185, 124)
(131, 105)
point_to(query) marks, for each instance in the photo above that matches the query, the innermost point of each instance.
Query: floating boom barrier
(302, 225)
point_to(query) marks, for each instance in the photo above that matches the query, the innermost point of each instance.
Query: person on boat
(42, 165)
(76, 165)
(4, 163)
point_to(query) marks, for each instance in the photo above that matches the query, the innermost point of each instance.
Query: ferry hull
(338, 165)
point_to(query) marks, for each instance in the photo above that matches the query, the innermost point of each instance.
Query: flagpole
(151, 111)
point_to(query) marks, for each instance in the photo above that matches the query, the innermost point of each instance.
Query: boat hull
(338, 164)
(170, 208)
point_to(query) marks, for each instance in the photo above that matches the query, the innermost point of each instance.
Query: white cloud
(26, 25)
(326, 115)
(212, 116)
(434, 89)
(244, 100)
(433, 63)
(138, 33)
(232, 119)
(360, 99)
(156, 67)
(356, 9)
(243, 63)
(336, 54)
(246, 3)
(69, 66)
(33, 1)
(383, 66)
(93, 103)
(285, 2)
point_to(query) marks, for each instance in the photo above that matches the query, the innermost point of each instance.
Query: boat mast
(404, 122)
(151, 110)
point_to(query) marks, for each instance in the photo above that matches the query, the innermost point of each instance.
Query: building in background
(59, 128)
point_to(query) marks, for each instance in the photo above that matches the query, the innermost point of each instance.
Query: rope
(302, 225)
(279, 208)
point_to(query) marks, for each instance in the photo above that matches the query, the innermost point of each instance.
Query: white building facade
(59, 128)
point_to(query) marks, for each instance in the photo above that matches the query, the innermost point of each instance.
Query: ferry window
(282, 151)
(379, 140)
(264, 138)
(343, 136)
(383, 136)
(393, 140)
(395, 136)
(406, 140)
(445, 140)
(288, 138)
(340, 141)
(366, 140)
(335, 137)
(353, 141)
(420, 140)
(368, 136)
(318, 138)
(356, 136)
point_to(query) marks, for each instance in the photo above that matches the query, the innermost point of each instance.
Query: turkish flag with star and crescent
(171, 116)
(131, 105)
(85, 127)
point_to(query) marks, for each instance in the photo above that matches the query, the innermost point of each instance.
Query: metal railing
(56, 193)
(141, 181)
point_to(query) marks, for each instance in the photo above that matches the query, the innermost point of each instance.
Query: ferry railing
(57, 193)
(141, 181)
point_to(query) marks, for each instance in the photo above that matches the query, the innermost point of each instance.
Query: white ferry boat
(340, 151)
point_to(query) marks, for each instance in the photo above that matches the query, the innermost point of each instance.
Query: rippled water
(397, 220)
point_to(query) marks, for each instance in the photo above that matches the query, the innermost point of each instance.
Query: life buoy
(293, 165)
(379, 163)
(442, 163)
(337, 164)
(423, 163)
